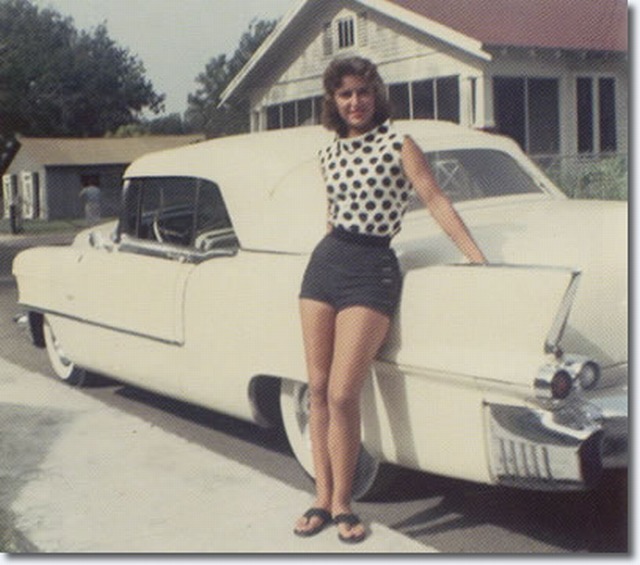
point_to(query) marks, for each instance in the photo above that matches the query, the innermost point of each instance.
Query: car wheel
(64, 368)
(294, 405)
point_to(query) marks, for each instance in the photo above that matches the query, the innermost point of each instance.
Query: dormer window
(346, 32)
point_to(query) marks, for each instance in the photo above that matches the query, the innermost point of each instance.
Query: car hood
(585, 236)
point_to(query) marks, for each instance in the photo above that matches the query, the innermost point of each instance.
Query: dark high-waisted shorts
(348, 269)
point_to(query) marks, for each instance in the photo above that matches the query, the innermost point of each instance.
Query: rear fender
(482, 321)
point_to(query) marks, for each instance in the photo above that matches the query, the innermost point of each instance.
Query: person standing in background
(91, 194)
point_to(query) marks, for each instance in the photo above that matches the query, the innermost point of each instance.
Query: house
(552, 74)
(48, 174)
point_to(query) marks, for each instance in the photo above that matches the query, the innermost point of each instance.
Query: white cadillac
(513, 373)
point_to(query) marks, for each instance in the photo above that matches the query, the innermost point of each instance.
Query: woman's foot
(350, 528)
(312, 522)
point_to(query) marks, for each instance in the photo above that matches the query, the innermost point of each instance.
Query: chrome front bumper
(562, 449)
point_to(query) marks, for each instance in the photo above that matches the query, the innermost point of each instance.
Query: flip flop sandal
(324, 516)
(352, 520)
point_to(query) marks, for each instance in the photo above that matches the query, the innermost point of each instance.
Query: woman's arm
(419, 173)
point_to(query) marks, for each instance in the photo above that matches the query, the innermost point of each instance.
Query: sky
(174, 39)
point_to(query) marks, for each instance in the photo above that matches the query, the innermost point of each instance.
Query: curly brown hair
(332, 80)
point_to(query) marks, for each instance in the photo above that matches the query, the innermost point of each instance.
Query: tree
(57, 81)
(203, 113)
(172, 124)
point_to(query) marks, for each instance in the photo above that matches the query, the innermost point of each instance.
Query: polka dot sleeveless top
(366, 187)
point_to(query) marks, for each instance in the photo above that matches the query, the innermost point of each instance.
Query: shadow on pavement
(593, 521)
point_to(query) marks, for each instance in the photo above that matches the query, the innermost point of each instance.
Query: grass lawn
(35, 227)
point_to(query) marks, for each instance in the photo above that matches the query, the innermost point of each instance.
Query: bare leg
(359, 333)
(318, 326)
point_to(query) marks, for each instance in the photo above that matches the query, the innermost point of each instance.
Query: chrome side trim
(172, 252)
(552, 343)
(102, 326)
(542, 450)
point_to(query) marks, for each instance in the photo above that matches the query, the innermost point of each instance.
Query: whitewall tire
(294, 405)
(64, 368)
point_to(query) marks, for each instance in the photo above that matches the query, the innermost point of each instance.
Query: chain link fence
(601, 177)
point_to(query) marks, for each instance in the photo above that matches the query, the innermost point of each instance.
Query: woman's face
(355, 101)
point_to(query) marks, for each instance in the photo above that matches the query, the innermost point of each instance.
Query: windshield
(471, 174)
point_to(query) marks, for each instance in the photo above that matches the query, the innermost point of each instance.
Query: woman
(352, 284)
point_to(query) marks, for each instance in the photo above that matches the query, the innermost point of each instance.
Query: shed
(47, 174)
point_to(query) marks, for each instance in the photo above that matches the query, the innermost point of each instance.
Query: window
(544, 116)
(36, 194)
(346, 33)
(424, 102)
(289, 115)
(305, 112)
(584, 96)
(448, 99)
(607, 107)
(471, 174)
(273, 117)
(296, 113)
(180, 212)
(431, 99)
(528, 110)
(473, 83)
(400, 101)
(596, 108)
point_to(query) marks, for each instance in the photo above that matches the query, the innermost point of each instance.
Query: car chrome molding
(38, 310)
(552, 343)
(537, 449)
(466, 380)
(171, 253)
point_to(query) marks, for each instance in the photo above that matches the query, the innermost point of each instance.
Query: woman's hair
(332, 80)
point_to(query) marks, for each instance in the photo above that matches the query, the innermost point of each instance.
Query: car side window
(474, 174)
(179, 212)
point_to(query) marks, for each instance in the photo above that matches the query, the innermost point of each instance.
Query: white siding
(402, 56)
(406, 54)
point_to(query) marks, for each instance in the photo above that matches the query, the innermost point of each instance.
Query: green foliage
(44, 227)
(604, 178)
(172, 124)
(57, 81)
(203, 113)
(8, 148)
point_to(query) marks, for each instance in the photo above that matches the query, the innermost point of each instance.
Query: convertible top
(271, 181)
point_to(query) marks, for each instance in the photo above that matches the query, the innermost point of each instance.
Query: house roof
(95, 151)
(472, 26)
(597, 25)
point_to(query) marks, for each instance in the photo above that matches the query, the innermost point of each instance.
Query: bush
(602, 179)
